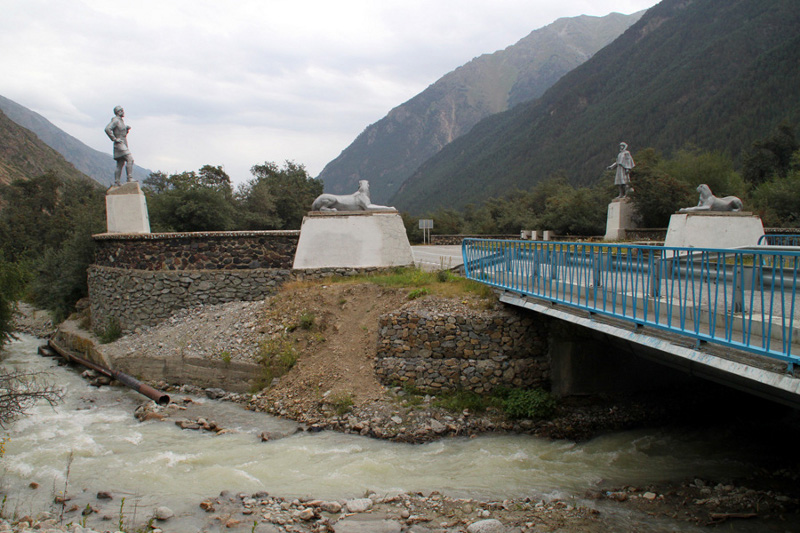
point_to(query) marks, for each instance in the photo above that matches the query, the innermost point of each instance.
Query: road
(435, 257)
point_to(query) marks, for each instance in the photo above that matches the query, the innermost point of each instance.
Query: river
(153, 463)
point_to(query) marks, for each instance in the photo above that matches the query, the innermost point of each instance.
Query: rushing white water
(156, 462)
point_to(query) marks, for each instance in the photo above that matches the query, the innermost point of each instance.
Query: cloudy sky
(242, 82)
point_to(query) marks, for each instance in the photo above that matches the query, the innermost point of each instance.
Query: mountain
(95, 164)
(715, 74)
(389, 151)
(23, 155)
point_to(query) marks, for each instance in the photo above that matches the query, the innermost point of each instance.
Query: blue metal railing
(779, 239)
(745, 299)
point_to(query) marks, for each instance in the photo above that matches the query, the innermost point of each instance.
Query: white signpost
(426, 225)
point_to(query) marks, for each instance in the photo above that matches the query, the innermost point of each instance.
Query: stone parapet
(222, 250)
(438, 344)
(451, 240)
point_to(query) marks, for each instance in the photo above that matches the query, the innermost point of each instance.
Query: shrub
(418, 293)
(342, 402)
(534, 403)
(111, 332)
(459, 400)
(276, 356)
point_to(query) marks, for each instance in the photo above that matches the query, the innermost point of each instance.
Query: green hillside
(389, 151)
(23, 155)
(707, 73)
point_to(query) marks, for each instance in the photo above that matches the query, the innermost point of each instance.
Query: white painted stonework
(712, 229)
(126, 209)
(353, 240)
(619, 221)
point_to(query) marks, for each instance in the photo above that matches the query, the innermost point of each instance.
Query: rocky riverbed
(332, 386)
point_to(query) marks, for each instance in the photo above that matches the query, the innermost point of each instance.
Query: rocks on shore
(373, 513)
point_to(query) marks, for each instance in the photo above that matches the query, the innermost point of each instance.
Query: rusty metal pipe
(161, 398)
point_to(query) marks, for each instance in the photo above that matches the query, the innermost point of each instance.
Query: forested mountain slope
(389, 151)
(23, 155)
(715, 74)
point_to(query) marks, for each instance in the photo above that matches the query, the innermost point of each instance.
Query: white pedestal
(620, 220)
(126, 209)
(358, 239)
(713, 229)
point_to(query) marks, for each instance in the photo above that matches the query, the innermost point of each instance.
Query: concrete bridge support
(582, 362)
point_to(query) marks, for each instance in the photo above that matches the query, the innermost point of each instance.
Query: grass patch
(342, 402)
(110, 332)
(305, 322)
(515, 403)
(458, 401)
(440, 283)
(529, 403)
(418, 293)
(276, 357)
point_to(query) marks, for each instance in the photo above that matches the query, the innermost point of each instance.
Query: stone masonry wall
(450, 240)
(222, 250)
(438, 344)
(145, 298)
(141, 279)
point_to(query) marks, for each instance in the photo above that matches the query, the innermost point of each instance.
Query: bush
(534, 403)
(276, 356)
(111, 332)
(342, 403)
(459, 400)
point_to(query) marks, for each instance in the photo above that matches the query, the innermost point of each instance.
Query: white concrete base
(126, 209)
(620, 220)
(713, 229)
(359, 239)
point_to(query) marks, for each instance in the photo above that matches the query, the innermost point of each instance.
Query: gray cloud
(238, 83)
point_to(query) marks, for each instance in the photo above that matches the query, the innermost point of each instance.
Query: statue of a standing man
(117, 131)
(623, 164)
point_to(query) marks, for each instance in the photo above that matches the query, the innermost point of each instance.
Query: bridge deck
(739, 302)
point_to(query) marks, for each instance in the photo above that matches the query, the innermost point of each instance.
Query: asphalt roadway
(434, 257)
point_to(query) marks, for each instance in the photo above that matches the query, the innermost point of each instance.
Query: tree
(19, 391)
(191, 201)
(289, 190)
(45, 230)
(12, 283)
(771, 156)
(575, 212)
(657, 195)
(695, 167)
(778, 200)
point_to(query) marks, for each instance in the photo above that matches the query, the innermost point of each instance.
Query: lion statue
(709, 202)
(358, 201)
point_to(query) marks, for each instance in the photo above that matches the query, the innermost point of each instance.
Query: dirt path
(336, 353)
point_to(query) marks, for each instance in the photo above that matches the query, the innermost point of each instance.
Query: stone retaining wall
(451, 240)
(145, 298)
(440, 345)
(141, 279)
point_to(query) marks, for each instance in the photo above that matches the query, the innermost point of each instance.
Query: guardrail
(779, 239)
(745, 299)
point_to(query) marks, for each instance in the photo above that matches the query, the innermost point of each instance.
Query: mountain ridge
(389, 150)
(23, 155)
(705, 73)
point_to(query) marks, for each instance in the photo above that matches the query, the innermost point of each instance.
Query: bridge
(728, 315)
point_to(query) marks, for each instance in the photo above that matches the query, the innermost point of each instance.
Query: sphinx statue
(358, 201)
(709, 202)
